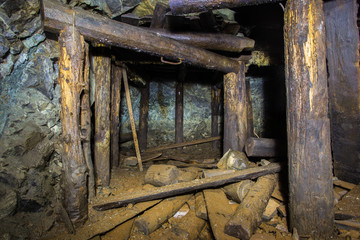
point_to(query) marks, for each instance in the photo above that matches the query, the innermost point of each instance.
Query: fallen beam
(101, 29)
(105, 223)
(189, 6)
(183, 144)
(247, 217)
(186, 187)
(156, 216)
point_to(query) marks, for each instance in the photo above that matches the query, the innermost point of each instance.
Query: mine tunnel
(170, 119)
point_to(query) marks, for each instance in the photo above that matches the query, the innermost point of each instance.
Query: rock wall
(30, 166)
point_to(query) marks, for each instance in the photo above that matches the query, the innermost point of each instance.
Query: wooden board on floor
(349, 206)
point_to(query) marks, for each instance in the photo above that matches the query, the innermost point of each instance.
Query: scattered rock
(161, 175)
(8, 201)
(234, 160)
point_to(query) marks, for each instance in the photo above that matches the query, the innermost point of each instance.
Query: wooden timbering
(115, 114)
(215, 109)
(102, 72)
(179, 105)
(85, 119)
(235, 110)
(102, 29)
(144, 116)
(308, 128)
(342, 37)
(179, 6)
(71, 81)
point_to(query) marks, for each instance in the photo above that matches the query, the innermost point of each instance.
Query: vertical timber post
(71, 77)
(179, 105)
(215, 103)
(235, 110)
(115, 114)
(308, 127)
(342, 37)
(102, 67)
(143, 116)
(85, 120)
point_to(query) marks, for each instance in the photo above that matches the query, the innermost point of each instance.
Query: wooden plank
(103, 223)
(180, 6)
(349, 206)
(115, 114)
(219, 212)
(101, 29)
(131, 116)
(248, 215)
(102, 70)
(71, 81)
(344, 184)
(156, 216)
(342, 41)
(235, 110)
(183, 144)
(308, 128)
(186, 187)
(159, 16)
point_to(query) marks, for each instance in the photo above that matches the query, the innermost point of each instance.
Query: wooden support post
(115, 114)
(85, 119)
(179, 106)
(248, 215)
(95, 27)
(159, 16)
(235, 110)
(132, 122)
(143, 117)
(308, 128)
(342, 43)
(215, 108)
(102, 70)
(71, 81)
(180, 6)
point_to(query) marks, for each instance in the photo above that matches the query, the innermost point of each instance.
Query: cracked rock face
(30, 164)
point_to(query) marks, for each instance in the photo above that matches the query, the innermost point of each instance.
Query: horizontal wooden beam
(183, 144)
(97, 28)
(188, 6)
(187, 187)
(211, 41)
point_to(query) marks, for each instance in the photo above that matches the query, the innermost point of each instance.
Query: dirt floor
(118, 223)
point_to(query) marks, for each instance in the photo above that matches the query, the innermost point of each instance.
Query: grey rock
(8, 201)
(4, 46)
(34, 40)
(16, 47)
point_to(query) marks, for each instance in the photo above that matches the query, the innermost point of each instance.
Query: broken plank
(121, 232)
(156, 216)
(219, 212)
(348, 224)
(186, 187)
(95, 27)
(105, 223)
(183, 144)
